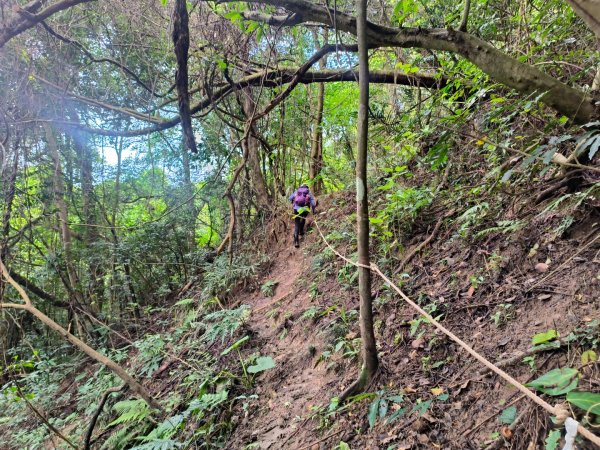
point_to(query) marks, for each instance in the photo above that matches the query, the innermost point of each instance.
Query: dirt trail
(287, 392)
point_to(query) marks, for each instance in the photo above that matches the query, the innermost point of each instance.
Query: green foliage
(508, 415)
(503, 314)
(542, 338)
(268, 288)
(551, 442)
(557, 381)
(261, 364)
(221, 276)
(130, 411)
(223, 323)
(151, 353)
(588, 401)
(380, 406)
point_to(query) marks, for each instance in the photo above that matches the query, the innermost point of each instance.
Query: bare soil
(487, 291)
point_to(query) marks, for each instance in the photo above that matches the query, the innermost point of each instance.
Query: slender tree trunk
(369, 350)
(251, 143)
(11, 336)
(188, 189)
(63, 216)
(316, 152)
(90, 232)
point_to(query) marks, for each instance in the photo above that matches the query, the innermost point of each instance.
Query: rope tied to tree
(560, 411)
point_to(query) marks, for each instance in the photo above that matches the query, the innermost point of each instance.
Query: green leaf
(387, 186)
(420, 408)
(552, 440)
(557, 381)
(588, 401)
(373, 410)
(594, 147)
(383, 408)
(343, 446)
(588, 356)
(508, 416)
(234, 16)
(185, 302)
(235, 345)
(261, 364)
(396, 414)
(506, 176)
(542, 338)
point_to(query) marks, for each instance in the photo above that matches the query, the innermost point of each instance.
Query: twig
(90, 430)
(419, 247)
(43, 419)
(518, 357)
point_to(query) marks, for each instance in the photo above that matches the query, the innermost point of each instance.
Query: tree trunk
(370, 362)
(188, 191)
(252, 148)
(63, 216)
(84, 154)
(316, 152)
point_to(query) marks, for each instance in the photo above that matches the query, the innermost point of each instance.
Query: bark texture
(30, 15)
(370, 361)
(181, 42)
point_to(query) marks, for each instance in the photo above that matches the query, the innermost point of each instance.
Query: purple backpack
(302, 197)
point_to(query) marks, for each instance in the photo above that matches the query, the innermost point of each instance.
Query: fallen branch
(519, 356)
(90, 430)
(136, 387)
(419, 247)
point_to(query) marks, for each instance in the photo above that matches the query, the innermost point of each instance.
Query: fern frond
(120, 438)
(131, 411)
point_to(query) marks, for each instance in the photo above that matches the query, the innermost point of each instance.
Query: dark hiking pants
(299, 221)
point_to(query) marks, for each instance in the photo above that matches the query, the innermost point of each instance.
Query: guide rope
(559, 410)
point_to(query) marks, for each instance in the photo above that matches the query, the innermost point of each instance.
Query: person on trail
(302, 202)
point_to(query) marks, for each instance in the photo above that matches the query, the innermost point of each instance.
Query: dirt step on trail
(287, 392)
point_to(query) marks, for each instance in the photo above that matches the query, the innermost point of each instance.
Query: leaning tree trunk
(136, 387)
(370, 362)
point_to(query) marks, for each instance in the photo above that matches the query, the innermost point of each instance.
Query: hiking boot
(296, 242)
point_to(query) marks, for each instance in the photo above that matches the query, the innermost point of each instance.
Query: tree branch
(26, 18)
(272, 78)
(284, 20)
(37, 291)
(505, 69)
(92, 58)
(90, 430)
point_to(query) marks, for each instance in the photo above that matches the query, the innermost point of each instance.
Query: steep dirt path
(287, 392)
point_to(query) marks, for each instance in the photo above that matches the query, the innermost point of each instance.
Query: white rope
(571, 426)
(560, 411)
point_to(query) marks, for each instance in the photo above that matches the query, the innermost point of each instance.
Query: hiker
(301, 200)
